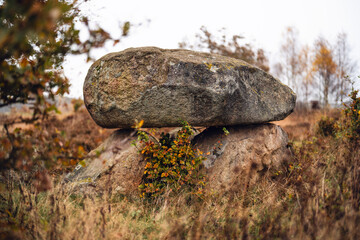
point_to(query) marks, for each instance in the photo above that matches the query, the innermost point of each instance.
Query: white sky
(261, 22)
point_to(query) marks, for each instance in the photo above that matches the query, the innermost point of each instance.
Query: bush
(172, 162)
(352, 114)
(77, 104)
(327, 127)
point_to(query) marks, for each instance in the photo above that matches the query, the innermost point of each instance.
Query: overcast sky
(166, 23)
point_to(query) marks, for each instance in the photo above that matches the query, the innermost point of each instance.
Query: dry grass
(315, 195)
(301, 124)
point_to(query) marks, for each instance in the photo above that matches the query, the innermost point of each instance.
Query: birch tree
(345, 66)
(324, 67)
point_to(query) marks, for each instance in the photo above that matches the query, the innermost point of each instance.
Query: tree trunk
(326, 89)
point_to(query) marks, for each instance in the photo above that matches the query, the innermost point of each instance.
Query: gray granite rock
(163, 87)
(232, 160)
(115, 156)
(243, 155)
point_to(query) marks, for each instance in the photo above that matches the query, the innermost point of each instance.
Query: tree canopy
(324, 67)
(35, 37)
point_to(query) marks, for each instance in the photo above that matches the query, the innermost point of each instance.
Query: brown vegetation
(315, 195)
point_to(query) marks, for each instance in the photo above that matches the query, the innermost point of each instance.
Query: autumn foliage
(352, 113)
(172, 163)
(325, 66)
(314, 195)
(319, 73)
(35, 38)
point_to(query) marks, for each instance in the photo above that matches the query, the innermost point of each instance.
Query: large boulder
(163, 87)
(115, 156)
(243, 155)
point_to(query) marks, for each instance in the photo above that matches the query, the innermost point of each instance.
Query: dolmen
(163, 87)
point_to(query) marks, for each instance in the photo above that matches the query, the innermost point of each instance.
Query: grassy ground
(314, 195)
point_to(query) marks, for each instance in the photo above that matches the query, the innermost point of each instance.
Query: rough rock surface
(115, 157)
(243, 155)
(165, 86)
(247, 151)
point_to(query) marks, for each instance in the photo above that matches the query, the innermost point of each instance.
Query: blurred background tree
(35, 37)
(289, 51)
(324, 67)
(206, 41)
(317, 73)
(306, 74)
(345, 67)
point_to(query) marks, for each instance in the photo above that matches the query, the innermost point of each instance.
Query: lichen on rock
(163, 87)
